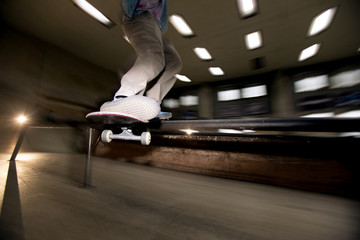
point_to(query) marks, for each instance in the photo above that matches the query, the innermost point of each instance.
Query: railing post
(18, 143)
(87, 174)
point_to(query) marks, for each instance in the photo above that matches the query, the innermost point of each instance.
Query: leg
(167, 80)
(146, 39)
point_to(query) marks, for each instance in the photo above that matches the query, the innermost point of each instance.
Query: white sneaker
(141, 107)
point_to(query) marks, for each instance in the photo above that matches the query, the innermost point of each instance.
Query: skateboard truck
(126, 134)
(115, 120)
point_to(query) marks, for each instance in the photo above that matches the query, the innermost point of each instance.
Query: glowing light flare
(229, 131)
(235, 131)
(21, 119)
(189, 131)
(27, 156)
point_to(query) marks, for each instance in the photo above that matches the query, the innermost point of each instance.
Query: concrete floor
(43, 198)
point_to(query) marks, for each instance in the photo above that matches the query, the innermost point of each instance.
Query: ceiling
(217, 25)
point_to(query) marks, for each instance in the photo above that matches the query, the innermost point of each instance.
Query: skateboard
(120, 126)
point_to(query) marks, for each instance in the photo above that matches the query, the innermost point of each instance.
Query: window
(311, 84)
(256, 91)
(345, 79)
(189, 100)
(229, 95)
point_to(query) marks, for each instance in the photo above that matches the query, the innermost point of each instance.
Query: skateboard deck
(112, 122)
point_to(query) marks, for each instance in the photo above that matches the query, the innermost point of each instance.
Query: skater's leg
(145, 37)
(167, 79)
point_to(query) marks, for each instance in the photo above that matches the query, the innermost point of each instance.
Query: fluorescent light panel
(309, 52)
(253, 40)
(180, 25)
(202, 53)
(216, 71)
(93, 12)
(247, 8)
(321, 21)
(182, 78)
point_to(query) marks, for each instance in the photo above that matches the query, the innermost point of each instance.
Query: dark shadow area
(11, 223)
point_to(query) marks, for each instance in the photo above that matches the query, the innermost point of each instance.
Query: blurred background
(265, 59)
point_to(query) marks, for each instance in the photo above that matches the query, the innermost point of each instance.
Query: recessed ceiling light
(182, 78)
(202, 53)
(253, 40)
(247, 8)
(93, 12)
(180, 25)
(216, 71)
(309, 52)
(321, 21)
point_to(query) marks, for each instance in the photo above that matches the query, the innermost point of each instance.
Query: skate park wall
(56, 89)
(327, 165)
(52, 87)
